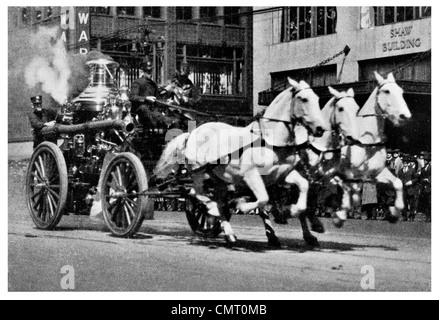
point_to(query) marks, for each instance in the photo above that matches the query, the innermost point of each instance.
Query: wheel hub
(119, 194)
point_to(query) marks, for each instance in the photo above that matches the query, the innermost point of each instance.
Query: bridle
(377, 115)
(290, 125)
(336, 130)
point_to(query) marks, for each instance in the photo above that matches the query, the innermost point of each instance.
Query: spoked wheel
(123, 206)
(198, 218)
(46, 186)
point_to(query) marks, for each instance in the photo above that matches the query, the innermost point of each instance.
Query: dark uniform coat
(425, 197)
(149, 116)
(191, 93)
(408, 174)
(37, 120)
(140, 89)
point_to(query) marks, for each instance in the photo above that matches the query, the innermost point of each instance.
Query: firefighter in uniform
(143, 95)
(41, 118)
(191, 95)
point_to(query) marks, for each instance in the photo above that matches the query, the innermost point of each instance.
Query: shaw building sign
(402, 39)
(75, 25)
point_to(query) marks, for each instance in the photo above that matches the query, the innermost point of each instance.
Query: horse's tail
(172, 156)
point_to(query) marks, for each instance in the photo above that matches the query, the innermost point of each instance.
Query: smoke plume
(48, 66)
(38, 64)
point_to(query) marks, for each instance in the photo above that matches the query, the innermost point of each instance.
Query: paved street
(167, 257)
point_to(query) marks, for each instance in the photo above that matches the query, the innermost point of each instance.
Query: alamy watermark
(368, 281)
(68, 279)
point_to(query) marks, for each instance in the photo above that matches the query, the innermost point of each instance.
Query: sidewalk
(20, 151)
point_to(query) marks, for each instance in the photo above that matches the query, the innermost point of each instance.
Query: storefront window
(100, 10)
(208, 14)
(419, 71)
(126, 11)
(25, 16)
(390, 15)
(305, 22)
(425, 12)
(214, 70)
(38, 15)
(152, 12)
(232, 16)
(184, 13)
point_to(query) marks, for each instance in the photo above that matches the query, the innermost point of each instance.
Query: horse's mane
(280, 97)
(327, 110)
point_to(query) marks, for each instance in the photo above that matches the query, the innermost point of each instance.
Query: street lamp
(134, 52)
(159, 49)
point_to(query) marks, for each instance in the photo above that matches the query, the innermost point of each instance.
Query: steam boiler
(65, 179)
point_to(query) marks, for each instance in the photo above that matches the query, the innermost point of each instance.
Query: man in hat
(425, 183)
(409, 177)
(396, 164)
(143, 95)
(191, 95)
(41, 118)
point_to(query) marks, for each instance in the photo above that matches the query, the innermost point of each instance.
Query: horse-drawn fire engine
(105, 158)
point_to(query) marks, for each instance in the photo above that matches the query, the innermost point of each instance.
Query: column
(222, 22)
(139, 12)
(170, 53)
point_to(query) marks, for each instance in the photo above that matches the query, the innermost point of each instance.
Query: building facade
(215, 41)
(303, 42)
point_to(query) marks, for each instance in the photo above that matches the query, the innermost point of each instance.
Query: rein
(290, 125)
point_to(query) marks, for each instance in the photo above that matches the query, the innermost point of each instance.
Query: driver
(143, 95)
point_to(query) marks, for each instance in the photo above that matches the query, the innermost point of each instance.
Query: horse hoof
(318, 227)
(280, 220)
(311, 241)
(295, 211)
(393, 219)
(231, 239)
(338, 223)
(274, 242)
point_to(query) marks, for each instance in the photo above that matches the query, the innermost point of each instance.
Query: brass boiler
(102, 86)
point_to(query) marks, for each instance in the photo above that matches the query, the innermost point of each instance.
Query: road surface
(166, 256)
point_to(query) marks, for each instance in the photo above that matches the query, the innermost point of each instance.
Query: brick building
(215, 41)
(293, 40)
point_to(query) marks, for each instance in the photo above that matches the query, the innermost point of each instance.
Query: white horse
(263, 153)
(323, 157)
(367, 159)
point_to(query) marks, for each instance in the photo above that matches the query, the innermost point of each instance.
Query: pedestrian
(396, 162)
(425, 183)
(370, 200)
(41, 118)
(408, 177)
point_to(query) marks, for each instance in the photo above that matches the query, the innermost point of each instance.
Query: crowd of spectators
(415, 173)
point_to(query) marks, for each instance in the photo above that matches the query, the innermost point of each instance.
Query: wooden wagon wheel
(46, 186)
(123, 206)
